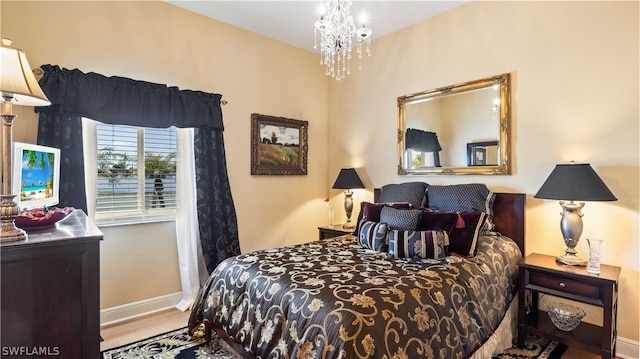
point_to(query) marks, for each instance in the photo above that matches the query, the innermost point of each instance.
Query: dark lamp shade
(348, 179)
(575, 182)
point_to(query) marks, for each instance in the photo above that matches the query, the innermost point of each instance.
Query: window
(136, 172)
(418, 159)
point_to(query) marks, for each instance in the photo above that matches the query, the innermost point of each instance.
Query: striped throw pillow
(418, 244)
(373, 235)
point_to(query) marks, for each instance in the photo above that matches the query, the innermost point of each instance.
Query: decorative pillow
(463, 240)
(431, 220)
(411, 192)
(373, 235)
(403, 219)
(463, 198)
(371, 211)
(420, 244)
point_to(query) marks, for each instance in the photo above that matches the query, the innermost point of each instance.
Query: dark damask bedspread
(329, 300)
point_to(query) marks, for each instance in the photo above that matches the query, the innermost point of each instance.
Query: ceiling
(292, 22)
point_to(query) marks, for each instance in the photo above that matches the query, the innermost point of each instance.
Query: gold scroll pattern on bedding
(329, 300)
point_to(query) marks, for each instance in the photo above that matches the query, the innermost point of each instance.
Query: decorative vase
(595, 248)
(330, 213)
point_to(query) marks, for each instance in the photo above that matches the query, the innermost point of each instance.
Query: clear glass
(330, 213)
(595, 249)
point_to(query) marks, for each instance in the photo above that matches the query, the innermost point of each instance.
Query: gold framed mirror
(438, 128)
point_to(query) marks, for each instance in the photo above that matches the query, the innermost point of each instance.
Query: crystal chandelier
(336, 35)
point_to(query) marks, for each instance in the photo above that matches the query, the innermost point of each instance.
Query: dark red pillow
(432, 220)
(463, 239)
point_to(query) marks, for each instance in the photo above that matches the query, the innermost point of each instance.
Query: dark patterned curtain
(64, 131)
(118, 100)
(216, 212)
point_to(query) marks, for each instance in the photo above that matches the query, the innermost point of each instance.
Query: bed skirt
(503, 336)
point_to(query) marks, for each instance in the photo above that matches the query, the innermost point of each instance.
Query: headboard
(508, 215)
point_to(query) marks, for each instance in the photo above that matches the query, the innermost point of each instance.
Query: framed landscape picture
(278, 145)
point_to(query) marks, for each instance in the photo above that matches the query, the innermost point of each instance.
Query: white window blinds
(136, 170)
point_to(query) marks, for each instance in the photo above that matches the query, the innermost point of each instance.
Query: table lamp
(18, 86)
(348, 179)
(573, 182)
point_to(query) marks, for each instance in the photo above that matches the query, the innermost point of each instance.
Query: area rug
(178, 344)
(174, 344)
(534, 347)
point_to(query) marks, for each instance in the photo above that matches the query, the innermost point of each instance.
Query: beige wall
(157, 42)
(574, 95)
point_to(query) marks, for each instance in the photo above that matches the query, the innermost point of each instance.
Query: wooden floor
(124, 333)
(134, 330)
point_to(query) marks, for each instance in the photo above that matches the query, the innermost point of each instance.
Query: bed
(345, 297)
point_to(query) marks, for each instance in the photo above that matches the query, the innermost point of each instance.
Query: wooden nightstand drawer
(565, 285)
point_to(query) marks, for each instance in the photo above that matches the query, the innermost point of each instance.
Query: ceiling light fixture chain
(337, 30)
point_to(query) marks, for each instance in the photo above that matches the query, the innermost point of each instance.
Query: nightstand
(542, 274)
(335, 231)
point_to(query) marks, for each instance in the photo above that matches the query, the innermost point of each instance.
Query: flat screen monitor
(36, 175)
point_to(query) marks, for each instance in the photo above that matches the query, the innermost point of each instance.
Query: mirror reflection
(483, 154)
(459, 129)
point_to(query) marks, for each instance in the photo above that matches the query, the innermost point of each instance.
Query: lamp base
(348, 225)
(8, 213)
(571, 259)
(12, 235)
(348, 208)
(571, 227)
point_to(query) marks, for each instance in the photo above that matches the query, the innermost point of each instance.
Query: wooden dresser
(50, 299)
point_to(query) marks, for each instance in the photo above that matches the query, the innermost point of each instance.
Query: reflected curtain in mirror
(423, 141)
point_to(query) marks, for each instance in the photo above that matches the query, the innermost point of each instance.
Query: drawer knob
(562, 285)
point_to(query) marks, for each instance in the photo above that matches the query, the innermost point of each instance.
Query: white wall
(575, 71)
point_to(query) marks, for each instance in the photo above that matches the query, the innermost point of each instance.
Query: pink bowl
(37, 218)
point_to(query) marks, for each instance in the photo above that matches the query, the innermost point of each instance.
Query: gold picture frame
(278, 145)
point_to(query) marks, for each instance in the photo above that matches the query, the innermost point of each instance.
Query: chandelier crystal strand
(363, 35)
(337, 30)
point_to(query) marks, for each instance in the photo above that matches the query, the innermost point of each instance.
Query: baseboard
(138, 309)
(627, 349)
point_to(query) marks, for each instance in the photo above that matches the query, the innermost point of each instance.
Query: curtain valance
(122, 101)
(423, 141)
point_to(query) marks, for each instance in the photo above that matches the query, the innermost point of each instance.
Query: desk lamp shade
(348, 179)
(573, 182)
(17, 83)
(18, 86)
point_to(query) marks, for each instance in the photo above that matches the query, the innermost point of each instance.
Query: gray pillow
(410, 192)
(402, 219)
(463, 198)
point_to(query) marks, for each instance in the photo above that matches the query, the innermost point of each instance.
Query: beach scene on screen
(37, 175)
